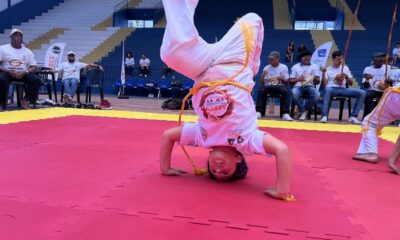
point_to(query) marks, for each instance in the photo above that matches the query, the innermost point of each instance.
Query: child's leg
(186, 52)
(394, 156)
(182, 48)
(283, 157)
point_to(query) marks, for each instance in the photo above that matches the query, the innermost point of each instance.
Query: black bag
(172, 104)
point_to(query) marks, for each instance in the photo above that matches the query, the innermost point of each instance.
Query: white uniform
(226, 114)
(386, 112)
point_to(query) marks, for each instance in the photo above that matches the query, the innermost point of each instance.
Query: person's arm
(295, 78)
(168, 140)
(283, 157)
(285, 78)
(324, 79)
(262, 79)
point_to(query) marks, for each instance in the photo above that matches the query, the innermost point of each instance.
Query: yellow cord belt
(248, 34)
(383, 101)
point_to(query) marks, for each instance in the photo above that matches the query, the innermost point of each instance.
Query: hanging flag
(321, 55)
(53, 56)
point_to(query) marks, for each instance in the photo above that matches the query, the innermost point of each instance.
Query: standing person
(335, 85)
(387, 111)
(290, 52)
(227, 122)
(71, 71)
(129, 64)
(374, 81)
(302, 48)
(144, 66)
(304, 77)
(18, 64)
(274, 80)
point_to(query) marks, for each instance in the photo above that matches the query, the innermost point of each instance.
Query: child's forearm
(165, 153)
(168, 140)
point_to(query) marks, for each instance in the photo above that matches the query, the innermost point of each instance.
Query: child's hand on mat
(272, 192)
(174, 172)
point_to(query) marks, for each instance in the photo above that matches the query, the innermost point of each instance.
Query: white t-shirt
(144, 62)
(308, 71)
(396, 51)
(378, 76)
(273, 72)
(71, 70)
(395, 75)
(17, 60)
(130, 62)
(332, 72)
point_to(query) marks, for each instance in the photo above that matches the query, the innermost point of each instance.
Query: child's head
(226, 163)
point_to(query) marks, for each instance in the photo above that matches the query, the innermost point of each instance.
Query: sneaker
(303, 116)
(324, 119)
(258, 114)
(105, 104)
(354, 120)
(286, 117)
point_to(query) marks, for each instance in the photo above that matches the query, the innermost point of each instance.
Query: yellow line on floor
(389, 133)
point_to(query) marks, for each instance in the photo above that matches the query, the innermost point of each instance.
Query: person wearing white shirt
(396, 53)
(375, 81)
(304, 77)
(335, 83)
(274, 80)
(129, 64)
(17, 64)
(144, 66)
(71, 72)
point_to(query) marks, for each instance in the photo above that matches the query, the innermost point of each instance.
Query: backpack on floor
(172, 104)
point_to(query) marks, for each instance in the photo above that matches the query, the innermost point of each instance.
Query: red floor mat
(98, 178)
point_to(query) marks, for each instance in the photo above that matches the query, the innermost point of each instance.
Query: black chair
(342, 101)
(95, 79)
(48, 80)
(375, 101)
(274, 96)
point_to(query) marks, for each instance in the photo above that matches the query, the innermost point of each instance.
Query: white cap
(15, 30)
(71, 53)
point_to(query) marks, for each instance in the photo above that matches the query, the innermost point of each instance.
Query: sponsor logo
(216, 105)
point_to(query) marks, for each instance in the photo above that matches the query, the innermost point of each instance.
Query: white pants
(390, 113)
(186, 52)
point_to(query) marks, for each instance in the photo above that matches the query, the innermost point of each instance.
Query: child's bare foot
(367, 157)
(272, 192)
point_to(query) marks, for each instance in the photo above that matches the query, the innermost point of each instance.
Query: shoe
(105, 105)
(303, 116)
(286, 117)
(324, 119)
(354, 120)
(258, 114)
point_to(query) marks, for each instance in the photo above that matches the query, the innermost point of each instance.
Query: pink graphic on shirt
(216, 105)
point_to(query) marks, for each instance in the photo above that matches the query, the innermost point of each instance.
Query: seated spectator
(274, 80)
(129, 64)
(396, 53)
(374, 81)
(335, 85)
(17, 64)
(144, 66)
(394, 73)
(304, 77)
(71, 75)
(168, 71)
(290, 52)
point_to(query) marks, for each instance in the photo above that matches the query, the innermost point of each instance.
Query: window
(314, 25)
(141, 23)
